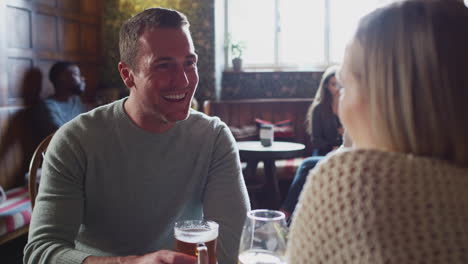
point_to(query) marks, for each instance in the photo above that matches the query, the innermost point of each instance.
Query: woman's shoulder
(368, 165)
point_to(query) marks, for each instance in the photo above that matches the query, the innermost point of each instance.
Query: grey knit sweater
(110, 188)
(367, 206)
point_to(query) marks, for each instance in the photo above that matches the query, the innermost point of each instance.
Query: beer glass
(197, 238)
(263, 239)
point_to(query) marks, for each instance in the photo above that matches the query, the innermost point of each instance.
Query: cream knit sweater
(367, 206)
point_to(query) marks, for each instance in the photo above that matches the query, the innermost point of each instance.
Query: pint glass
(197, 238)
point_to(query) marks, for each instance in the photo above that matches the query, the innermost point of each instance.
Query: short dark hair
(57, 69)
(134, 27)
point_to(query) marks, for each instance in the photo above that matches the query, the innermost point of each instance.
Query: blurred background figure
(322, 121)
(65, 103)
(325, 130)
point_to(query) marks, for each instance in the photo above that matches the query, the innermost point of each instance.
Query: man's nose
(180, 78)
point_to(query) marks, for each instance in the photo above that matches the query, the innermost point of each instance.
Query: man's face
(166, 75)
(72, 80)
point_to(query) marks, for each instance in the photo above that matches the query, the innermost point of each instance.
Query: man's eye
(163, 66)
(190, 63)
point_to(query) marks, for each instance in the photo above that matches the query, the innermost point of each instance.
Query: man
(118, 177)
(65, 104)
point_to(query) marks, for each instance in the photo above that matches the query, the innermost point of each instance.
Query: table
(252, 152)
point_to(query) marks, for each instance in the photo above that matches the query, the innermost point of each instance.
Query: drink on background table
(266, 134)
(191, 235)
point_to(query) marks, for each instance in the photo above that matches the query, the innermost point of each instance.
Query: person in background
(65, 104)
(322, 122)
(400, 194)
(116, 179)
(324, 126)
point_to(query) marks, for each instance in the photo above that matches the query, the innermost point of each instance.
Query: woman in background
(400, 194)
(325, 129)
(322, 122)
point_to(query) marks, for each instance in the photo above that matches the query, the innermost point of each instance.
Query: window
(294, 34)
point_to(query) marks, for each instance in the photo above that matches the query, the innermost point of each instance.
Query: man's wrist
(108, 260)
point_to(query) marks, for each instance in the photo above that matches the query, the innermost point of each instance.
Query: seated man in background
(65, 104)
(116, 179)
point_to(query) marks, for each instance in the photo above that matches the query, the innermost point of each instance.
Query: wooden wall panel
(46, 86)
(51, 3)
(19, 20)
(91, 79)
(69, 5)
(71, 35)
(34, 34)
(89, 7)
(89, 39)
(45, 32)
(18, 67)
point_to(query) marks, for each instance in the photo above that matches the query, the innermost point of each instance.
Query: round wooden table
(252, 152)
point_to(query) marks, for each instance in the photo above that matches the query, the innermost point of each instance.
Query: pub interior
(261, 93)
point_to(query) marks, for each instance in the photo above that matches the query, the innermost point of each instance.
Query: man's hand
(158, 257)
(161, 257)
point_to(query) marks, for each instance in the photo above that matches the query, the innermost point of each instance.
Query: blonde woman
(401, 194)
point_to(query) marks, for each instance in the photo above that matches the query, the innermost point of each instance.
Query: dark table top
(253, 150)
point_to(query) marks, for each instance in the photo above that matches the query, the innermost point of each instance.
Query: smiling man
(117, 178)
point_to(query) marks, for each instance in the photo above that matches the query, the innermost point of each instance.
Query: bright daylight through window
(293, 34)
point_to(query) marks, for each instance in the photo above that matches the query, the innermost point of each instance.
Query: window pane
(302, 32)
(344, 18)
(253, 22)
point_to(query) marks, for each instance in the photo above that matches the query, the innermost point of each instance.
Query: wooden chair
(36, 163)
(12, 235)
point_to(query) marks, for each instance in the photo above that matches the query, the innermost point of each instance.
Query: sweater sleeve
(59, 206)
(225, 199)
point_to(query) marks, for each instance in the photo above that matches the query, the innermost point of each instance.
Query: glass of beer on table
(263, 239)
(197, 238)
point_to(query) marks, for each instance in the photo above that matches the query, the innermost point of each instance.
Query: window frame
(276, 65)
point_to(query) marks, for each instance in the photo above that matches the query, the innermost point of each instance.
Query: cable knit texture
(368, 206)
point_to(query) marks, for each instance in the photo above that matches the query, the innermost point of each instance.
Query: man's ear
(126, 75)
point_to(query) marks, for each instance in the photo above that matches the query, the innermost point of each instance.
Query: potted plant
(237, 48)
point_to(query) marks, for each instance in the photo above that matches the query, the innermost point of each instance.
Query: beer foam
(196, 235)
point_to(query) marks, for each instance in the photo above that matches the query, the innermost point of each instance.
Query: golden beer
(190, 234)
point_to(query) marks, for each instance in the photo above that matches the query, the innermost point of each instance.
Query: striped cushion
(15, 212)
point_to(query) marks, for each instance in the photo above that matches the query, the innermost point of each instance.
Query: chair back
(36, 163)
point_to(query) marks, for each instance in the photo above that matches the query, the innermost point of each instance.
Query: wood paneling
(18, 67)
(51, 3)
(19, 27)
(89, 38)
(34, 34)
(45, 32)
(69, 5)
(89, 7)
(71, 35)
(47, 88)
